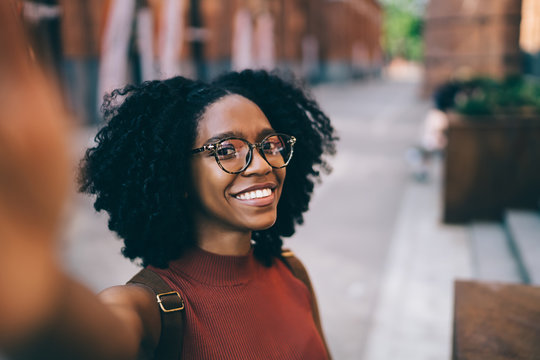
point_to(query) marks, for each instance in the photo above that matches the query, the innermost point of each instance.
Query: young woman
(201, 181)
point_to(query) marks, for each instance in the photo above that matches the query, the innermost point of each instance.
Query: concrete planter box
(492, 163)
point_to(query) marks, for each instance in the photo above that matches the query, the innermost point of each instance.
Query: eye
(273, 145)
(226, 150)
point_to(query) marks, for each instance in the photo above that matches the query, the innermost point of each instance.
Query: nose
(257, 165)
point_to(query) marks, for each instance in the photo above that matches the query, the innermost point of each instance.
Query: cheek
(199, 180)
(209, 182)
(281, 175)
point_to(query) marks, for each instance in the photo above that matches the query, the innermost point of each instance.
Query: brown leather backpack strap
(171, 307)
(299, 271)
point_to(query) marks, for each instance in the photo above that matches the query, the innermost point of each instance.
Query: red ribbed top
(236, 308)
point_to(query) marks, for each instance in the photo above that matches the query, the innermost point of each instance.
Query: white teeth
(256, 194)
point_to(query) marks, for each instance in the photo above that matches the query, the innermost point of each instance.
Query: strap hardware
(287, 253)
(170, 293)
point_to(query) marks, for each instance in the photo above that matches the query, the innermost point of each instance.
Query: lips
(257, 195)
(268, 185)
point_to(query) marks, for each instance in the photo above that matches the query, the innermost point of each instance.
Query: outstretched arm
(45, 314)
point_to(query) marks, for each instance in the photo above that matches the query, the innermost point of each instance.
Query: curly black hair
(139, 169)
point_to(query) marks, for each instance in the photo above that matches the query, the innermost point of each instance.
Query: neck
(223, 242)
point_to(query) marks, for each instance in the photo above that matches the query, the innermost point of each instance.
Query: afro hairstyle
(139, 169)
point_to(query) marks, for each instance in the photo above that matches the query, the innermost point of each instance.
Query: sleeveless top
(236, 308)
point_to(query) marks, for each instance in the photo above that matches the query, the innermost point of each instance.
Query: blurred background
(437, 176)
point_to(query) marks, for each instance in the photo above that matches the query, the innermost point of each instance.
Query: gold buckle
(159, 296)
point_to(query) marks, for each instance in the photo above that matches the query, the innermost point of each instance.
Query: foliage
(487, 96)
(402, 29)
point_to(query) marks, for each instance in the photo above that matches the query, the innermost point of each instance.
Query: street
(346, 236)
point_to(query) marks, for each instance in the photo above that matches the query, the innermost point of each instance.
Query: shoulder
(136, 305)
(292, 262)
(135, 296)
(296, 266)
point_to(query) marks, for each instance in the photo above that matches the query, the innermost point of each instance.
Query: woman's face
(231, 201)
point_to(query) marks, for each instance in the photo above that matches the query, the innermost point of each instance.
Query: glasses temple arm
(208, 147)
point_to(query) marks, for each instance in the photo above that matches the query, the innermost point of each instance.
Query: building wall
(474, 37)
(339, 36)
(347, 32)
(350, 37)
(82, 26)
(218, 16)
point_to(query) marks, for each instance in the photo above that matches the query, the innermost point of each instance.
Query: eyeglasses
(234, 154)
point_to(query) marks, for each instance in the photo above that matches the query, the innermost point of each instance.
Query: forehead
(233, 113)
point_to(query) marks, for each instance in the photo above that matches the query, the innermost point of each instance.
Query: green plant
(487, 96)
(403, 26)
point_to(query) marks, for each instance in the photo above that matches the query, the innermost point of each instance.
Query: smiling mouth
(255, 194)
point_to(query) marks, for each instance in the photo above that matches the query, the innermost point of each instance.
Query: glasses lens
(232, 154)
(277, 150)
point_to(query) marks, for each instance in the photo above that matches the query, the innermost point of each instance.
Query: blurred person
(434, 131)
(200, 182)
(434, 137)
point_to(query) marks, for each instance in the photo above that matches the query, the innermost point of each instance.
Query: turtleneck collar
(214, 269)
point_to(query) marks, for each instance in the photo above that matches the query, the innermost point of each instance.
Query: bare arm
(44, 314)
(80, 325)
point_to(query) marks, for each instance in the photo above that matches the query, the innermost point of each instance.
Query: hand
(33, 153)
(34, 178)
(34, 183)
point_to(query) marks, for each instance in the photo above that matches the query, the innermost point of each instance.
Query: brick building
(464, 38)
(350, 37)
(329, 38)
(315, 38)
(100, 45)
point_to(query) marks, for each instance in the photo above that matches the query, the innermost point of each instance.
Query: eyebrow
(239, 134)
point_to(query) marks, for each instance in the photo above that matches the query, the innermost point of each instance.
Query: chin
(264, 225)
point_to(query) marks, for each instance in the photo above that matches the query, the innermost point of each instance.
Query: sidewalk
(414, 316)
(382, 264)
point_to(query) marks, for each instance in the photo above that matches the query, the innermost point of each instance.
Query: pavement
(381, 262)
